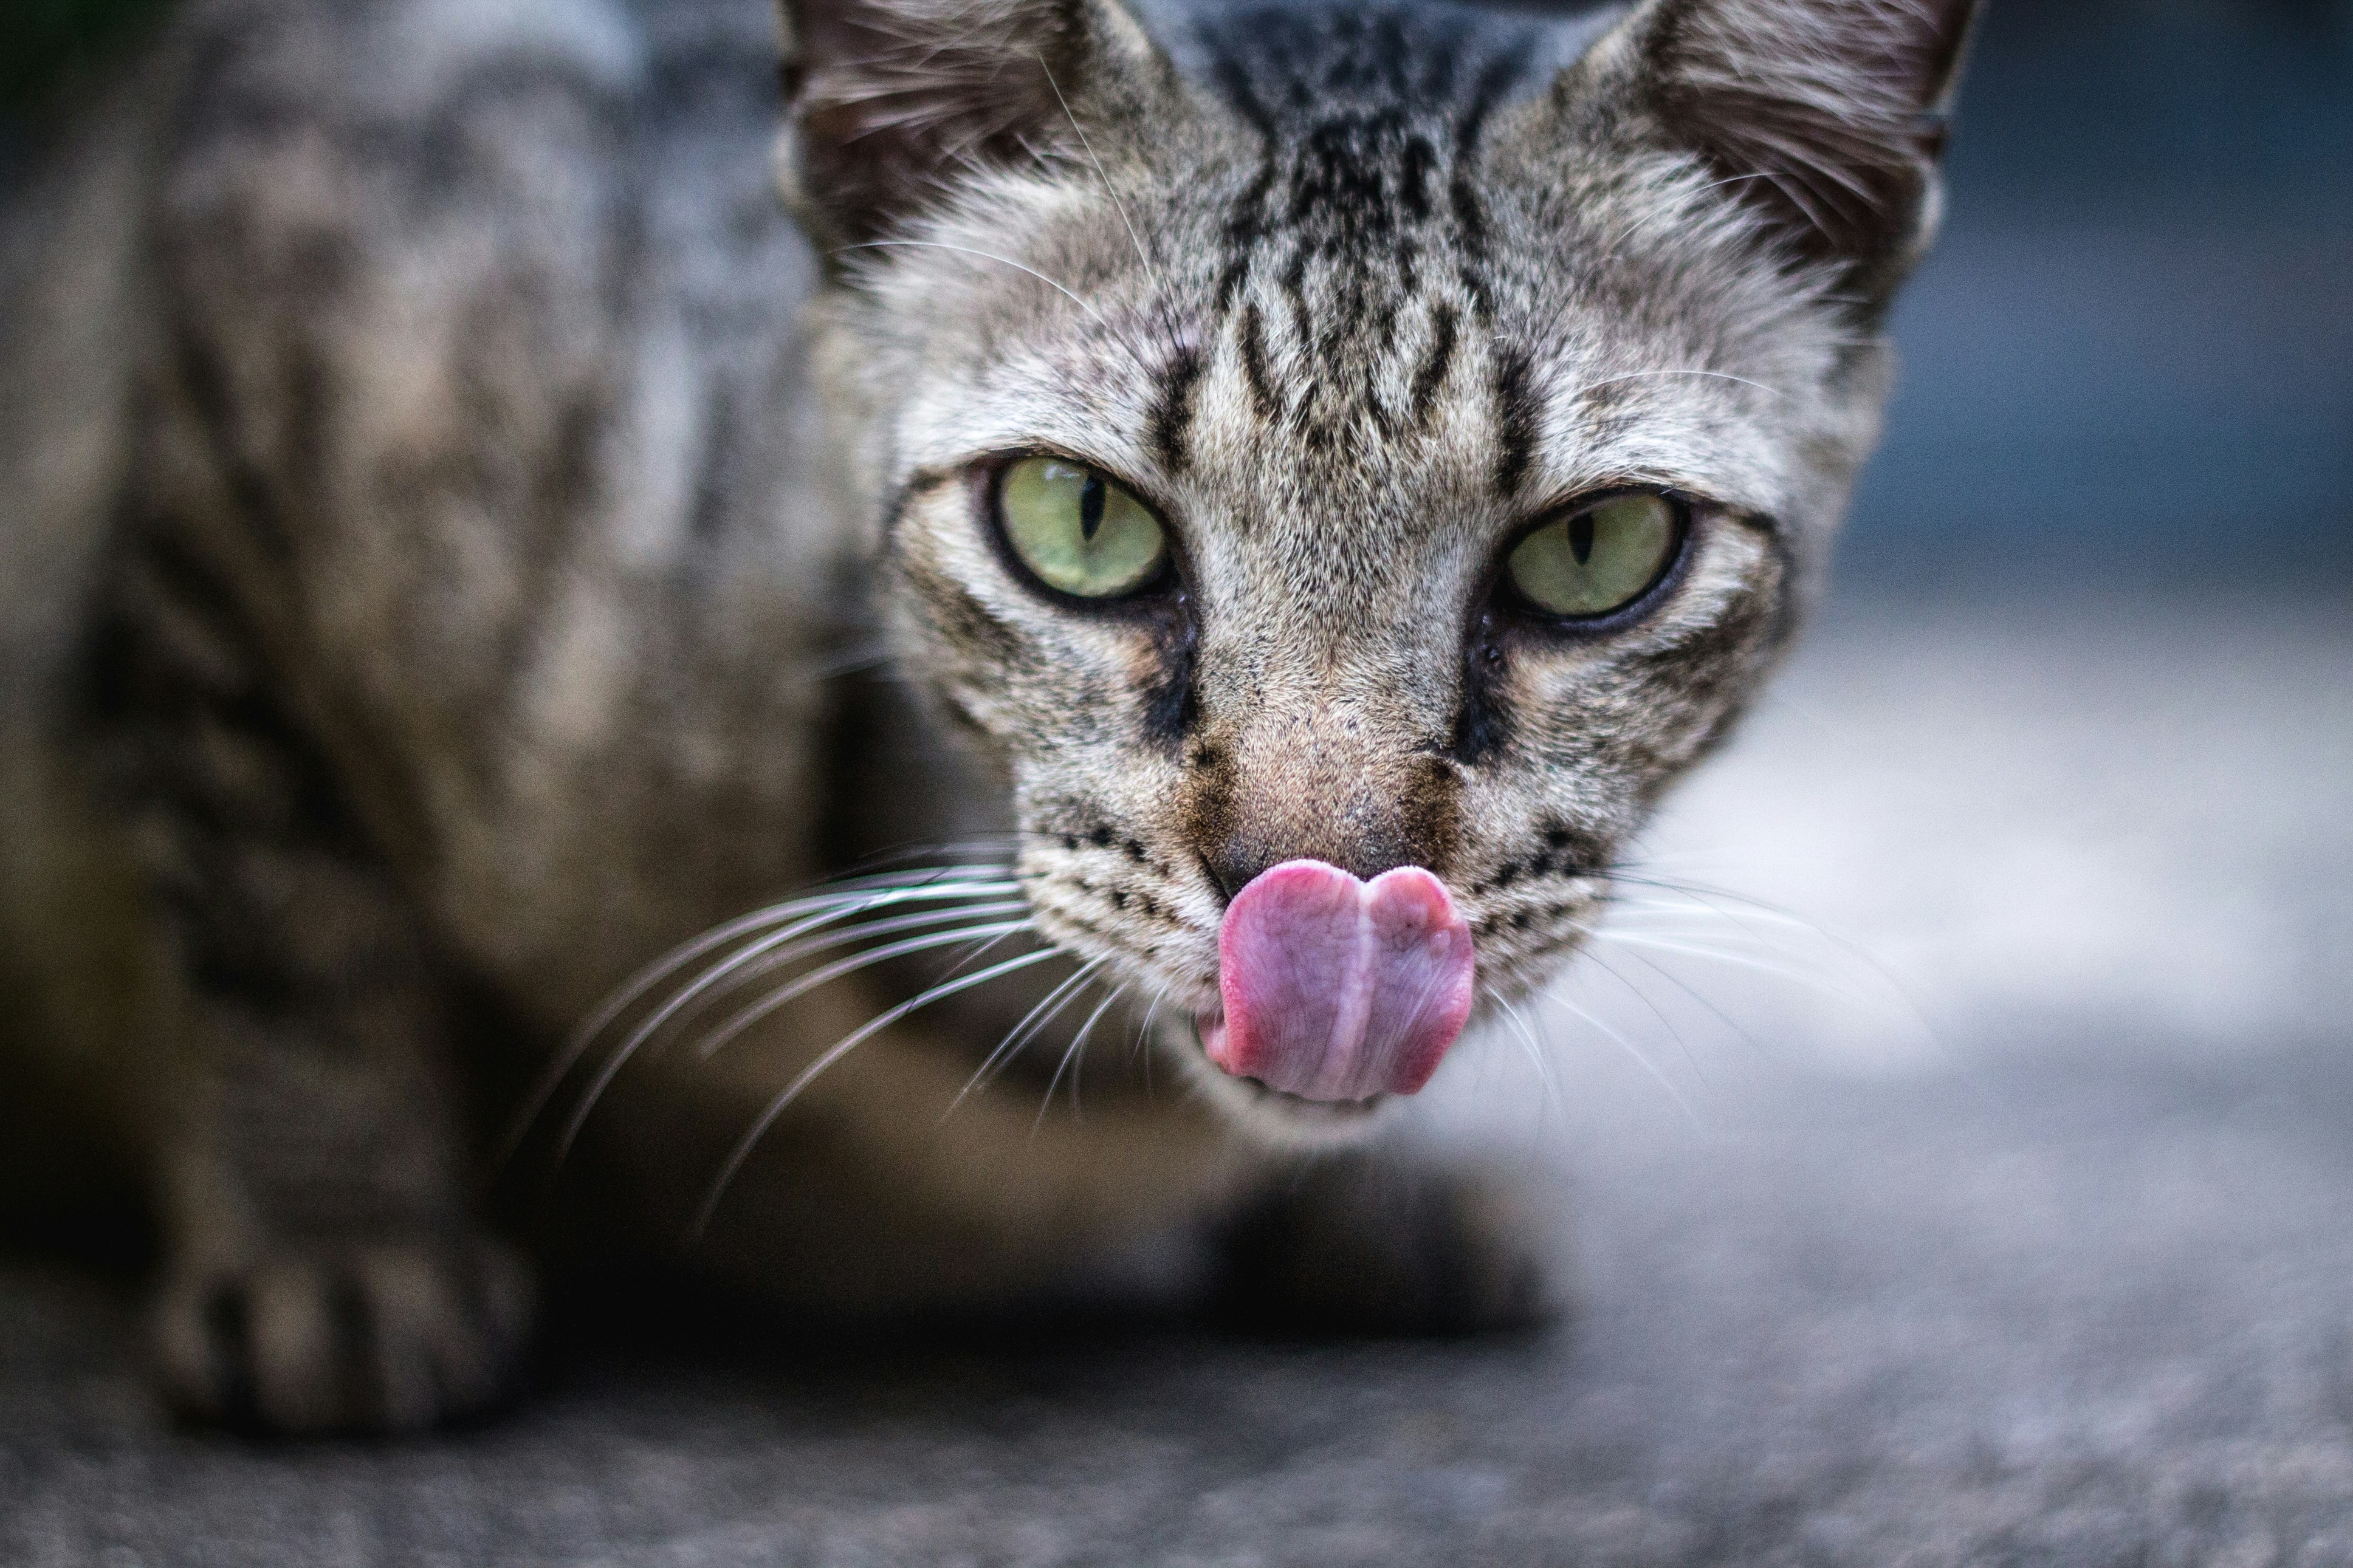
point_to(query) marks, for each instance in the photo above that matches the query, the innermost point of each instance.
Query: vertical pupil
(1091, 510)
(1580, 537)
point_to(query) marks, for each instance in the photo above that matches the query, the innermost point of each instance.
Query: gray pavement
(1976, 1189)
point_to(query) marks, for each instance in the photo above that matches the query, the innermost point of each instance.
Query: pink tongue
(1337, 989)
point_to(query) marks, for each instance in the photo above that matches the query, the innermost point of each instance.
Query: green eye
(1077, 531)
(1604, 558)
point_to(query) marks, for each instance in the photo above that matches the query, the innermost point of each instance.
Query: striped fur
(455, 509)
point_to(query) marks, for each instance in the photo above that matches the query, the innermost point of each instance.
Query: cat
(1210, 526)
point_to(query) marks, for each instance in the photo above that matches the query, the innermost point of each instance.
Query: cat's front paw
(361, 1336)
(1352, 1246)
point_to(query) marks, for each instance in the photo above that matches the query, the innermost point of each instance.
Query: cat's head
(1396, 438)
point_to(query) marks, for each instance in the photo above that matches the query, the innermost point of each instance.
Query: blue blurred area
(2133, 348)
(2135, 343)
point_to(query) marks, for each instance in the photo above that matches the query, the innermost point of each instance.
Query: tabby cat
(1195, 532)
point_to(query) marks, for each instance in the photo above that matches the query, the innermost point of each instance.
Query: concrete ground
(1975, 1187)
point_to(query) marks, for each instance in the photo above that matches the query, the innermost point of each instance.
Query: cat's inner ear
(892, 102)
(1827, 117)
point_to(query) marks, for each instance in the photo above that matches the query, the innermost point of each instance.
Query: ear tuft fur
(1830, 113)
(892, 101)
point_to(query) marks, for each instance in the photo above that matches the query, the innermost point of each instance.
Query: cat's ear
(892, 102)
(1827, 117)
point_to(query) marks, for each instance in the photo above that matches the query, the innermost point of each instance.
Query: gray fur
(469, 502)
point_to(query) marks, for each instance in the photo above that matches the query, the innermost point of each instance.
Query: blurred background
(2132, 345)
(1959, 1113)
(2074, 751)
(2129, 349)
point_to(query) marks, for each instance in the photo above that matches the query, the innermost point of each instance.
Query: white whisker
(1061, 289)
(1644, 1062)
(1121, 208)
(1049, 1006)
(1535, 1048)
(637, 985)
(850, 661)
(1143, 256)
(1713, 898)
(1646, 375)
(977, 953)
(1747, 922)
(833, 1052)
(983, 852)
(753, 951)
(1655, 1011)
(1077, 1045)
(1734, 960)
(743, 1020)
(1144, 1037)
(1677, 981)
(758, 957)
(767, 962)
(1773, 914)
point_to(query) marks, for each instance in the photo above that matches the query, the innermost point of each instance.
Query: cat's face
(1397, 456)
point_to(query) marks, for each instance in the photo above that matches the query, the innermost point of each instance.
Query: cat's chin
(1280, 1120)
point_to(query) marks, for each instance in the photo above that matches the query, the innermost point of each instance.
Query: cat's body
(453, 513)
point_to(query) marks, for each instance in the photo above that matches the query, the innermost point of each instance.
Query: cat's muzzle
(1336, 990)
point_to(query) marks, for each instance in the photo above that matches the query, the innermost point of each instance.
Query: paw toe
(388, 1336)
(1362, 1251)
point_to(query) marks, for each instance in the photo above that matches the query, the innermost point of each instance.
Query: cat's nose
(1332, 786)
(1241, 857)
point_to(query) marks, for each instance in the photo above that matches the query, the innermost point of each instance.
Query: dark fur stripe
(1462, 191)
(1484, 726)
(1516, 415)
(1431, 375)
(228, 1337)
(358, 1369)
(203, 381)
(1172, 409)
(1260, 375)
(1172, 706)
